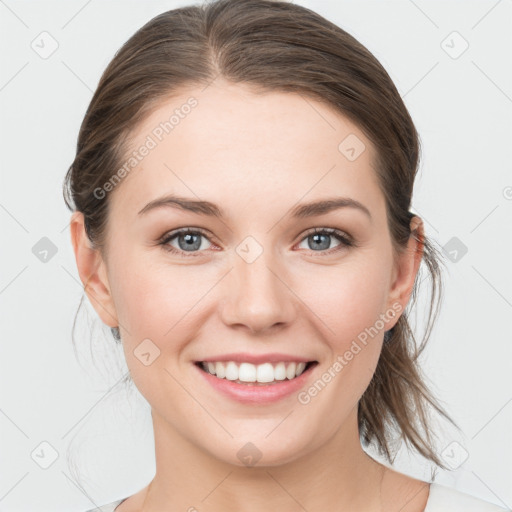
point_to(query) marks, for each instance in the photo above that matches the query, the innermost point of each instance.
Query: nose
(257, 296)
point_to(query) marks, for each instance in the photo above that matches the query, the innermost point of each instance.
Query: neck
(338, 472)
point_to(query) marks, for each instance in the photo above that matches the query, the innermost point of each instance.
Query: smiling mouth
(257, 375)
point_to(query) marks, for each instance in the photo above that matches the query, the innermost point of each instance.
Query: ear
(92, 271)
(406, 268)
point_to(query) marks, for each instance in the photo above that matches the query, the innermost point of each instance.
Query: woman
(240, 196)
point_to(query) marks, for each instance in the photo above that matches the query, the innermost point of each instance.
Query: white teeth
(220, 370)
(247, 372)
(280, 371)
(290, 370)
(231, 371)
(265, 372)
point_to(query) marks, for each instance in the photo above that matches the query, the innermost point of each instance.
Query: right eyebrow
(192, 205)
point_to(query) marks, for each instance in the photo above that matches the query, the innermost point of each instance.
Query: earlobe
(407, 266)
(92, 271)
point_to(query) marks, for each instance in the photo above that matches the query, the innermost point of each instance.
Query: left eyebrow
(327, 205)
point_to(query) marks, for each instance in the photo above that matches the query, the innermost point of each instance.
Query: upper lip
(256, 358)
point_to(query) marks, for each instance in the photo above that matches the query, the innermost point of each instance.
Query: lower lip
(250, 393)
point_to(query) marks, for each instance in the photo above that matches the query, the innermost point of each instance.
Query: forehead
(227, 141)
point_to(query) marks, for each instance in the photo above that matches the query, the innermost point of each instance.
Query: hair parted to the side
(275, 46)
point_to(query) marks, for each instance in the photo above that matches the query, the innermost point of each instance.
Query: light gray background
(462, 106)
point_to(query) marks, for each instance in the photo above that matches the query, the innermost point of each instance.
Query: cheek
(347, 299)
(159, 301)
(157, 307)
(349, 303)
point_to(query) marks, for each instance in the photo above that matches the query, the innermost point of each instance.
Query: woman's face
(255, 282)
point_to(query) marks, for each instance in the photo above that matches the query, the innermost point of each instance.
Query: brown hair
(275, 46)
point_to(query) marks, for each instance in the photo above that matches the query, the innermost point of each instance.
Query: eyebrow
(301, 211)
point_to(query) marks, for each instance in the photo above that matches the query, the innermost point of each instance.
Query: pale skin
(256, 157)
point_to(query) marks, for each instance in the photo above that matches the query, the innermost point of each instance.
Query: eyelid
(330, 231)
(189, 229)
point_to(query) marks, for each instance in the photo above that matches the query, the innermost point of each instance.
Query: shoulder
(446, 499)
(109, 507)
(440, 499)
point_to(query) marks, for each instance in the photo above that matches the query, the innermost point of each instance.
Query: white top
(440, 499)
(446, 499)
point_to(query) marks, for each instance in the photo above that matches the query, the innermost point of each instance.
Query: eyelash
(346, 240)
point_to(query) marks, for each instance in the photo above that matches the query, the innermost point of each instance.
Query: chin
(261, 452)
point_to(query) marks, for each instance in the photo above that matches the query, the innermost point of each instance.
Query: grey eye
(319, 241)
(188, 242)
